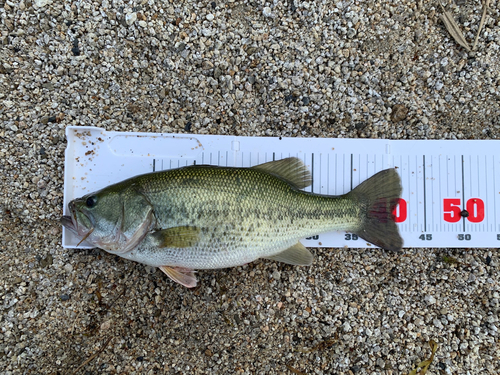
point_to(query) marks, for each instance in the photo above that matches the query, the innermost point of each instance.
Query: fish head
(94, 218)
(115, 221)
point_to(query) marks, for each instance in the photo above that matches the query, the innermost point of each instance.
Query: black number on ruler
(313, 238)
(349, 237)
(465, 237)
(426, 237)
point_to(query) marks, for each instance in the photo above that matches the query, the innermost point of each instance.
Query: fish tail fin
(378, 197)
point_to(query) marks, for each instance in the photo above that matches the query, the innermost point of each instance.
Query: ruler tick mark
(312, 173)
(463, 195)
(425, 196)
(351, 169)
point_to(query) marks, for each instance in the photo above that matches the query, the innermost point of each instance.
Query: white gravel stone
(430, 299)
(206, 32)
(267, 12)
(297, 81)
(42, 3)
(130, 18)
(347, 327)
(68, 268)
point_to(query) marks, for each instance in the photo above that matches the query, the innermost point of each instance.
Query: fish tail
(378, 197)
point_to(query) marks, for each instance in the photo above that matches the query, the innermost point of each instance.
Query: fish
(202, 217)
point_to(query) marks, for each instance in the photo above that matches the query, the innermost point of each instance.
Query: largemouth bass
(208, 217)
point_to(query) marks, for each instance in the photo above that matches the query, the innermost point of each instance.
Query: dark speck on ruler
(464, 213)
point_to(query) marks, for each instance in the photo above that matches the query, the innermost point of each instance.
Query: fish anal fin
(292, 170)
(183, 276)
(181, 237)
(297, 255)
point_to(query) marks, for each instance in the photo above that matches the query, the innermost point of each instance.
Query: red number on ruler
(400, 211)
(451, 208)
(475, 208)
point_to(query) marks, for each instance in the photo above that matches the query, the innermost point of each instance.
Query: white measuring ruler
(451, 189)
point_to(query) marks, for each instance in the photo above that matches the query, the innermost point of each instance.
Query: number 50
(453, 211)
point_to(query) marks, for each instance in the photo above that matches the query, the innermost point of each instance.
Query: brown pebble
(399, 112)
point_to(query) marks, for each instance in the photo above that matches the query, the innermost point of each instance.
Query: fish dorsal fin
(297, 255)
(183, 276)
(181, 237)
(291, 170)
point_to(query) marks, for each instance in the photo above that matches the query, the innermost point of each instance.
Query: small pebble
(399, 113)
(430, 299)
(297, 81)
(42, 3)
(68, 268)
(130, 18)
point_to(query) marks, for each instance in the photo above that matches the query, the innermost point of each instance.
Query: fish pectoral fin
(181, 237)
(291, 170)
(297, 255)
(183, 276)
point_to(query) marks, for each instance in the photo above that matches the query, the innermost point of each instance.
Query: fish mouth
(67, 222)
(70, 222)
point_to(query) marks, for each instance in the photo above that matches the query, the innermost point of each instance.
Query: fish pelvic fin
(378, 197)
(297, 255)
(292, 170)
(183, 276)
(181, 237)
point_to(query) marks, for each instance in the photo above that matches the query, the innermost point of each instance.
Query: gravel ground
(373, 69)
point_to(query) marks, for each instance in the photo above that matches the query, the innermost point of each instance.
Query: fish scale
(244, 214)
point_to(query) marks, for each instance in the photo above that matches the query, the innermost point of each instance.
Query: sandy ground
(370, 69)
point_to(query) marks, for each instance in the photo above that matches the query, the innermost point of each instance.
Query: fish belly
(217, 254)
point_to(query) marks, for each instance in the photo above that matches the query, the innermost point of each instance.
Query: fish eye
(91, 201)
